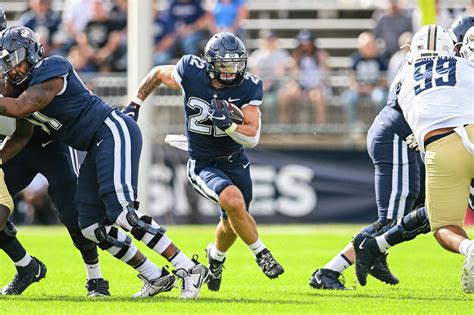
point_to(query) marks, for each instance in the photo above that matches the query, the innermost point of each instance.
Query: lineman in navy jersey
(218, 167)
(59, 165)
(55, 99)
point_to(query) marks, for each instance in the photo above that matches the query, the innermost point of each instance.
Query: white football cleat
(467, 276)
(150, 288)
(192, 281)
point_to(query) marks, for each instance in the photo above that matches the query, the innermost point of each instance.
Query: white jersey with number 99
(437, 92)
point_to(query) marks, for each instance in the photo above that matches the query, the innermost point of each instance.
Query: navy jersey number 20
(434, 72)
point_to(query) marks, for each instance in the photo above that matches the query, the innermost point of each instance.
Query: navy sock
(13, 248)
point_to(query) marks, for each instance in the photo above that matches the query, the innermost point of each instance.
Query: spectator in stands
(164, 37)
(228, 16)
(270, 63)
(190, 21)
(103, 34)
(118, 16)
(399, 57)
(76, 14)
(391, 24)
(43, 20)
(81, 59)
(367, 79)
(309, 67)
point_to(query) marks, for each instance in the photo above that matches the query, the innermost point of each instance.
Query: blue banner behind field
(289, 186)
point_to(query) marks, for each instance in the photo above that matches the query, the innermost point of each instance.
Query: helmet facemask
(228, 70)
(20, 51)
(226, 59)
(467, 49)
(11, 61)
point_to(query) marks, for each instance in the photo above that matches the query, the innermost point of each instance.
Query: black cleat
(25, 276)
(326, 279)
(381, 271)
(215, 271)
(97, 287)
(366, 251)
(270, 267)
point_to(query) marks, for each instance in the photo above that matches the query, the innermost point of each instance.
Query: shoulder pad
(188, 66)
(50, 67)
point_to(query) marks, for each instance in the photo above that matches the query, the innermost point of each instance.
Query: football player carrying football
(218, 167)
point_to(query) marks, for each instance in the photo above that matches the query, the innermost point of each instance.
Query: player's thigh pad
(88, 202)
(5, 198)
(207, 179)
(239, 174)
(397, 175)
(117, 154)
(210, 179)
(18, 171)
(61, 174)
(449, 170)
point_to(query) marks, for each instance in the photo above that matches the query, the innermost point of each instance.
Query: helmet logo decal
(24, 33)
(231, 55)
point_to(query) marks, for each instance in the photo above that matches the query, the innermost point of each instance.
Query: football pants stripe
(199, 184)
(74, 160)
(128, 155)
(119, 183)
(400, 180)
(405, 182)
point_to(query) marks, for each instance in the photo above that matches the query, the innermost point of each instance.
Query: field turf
(429, 278)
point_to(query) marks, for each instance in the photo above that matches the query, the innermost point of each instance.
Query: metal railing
(168, 107)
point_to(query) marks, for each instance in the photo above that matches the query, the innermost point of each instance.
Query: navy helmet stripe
(434, 38)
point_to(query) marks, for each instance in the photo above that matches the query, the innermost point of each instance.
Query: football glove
(220, 117)
(132, 110)
(412, 143)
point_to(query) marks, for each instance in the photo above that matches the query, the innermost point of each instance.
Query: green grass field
(429, 277)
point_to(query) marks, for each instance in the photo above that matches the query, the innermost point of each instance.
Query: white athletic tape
(177, 141)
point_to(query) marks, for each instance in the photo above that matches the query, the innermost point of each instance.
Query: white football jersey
(437, 92)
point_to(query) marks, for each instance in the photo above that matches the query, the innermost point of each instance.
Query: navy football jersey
(75, 114)
(392, 115)
(204, 139)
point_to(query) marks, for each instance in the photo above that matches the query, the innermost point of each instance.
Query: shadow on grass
(293, 299)
(157, 299)
(354, 295)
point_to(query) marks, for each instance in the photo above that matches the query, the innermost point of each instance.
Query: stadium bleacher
(336, 23)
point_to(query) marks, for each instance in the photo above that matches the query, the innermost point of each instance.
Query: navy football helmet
(460, 27)
(19, 43)
(226, 58)
(3, 19)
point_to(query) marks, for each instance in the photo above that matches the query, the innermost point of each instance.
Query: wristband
(231, 129)
(137, 101)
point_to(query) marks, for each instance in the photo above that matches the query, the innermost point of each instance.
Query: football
(235, 113)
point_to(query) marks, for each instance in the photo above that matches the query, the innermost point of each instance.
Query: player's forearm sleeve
(246, 141)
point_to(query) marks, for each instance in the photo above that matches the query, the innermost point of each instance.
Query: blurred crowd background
(326, 65)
